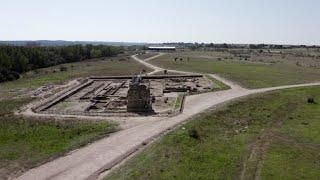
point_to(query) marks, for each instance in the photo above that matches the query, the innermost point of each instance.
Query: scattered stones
(144, 143)
(166, 100)
(42, 90)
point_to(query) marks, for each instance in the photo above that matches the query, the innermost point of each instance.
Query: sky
(155, 21)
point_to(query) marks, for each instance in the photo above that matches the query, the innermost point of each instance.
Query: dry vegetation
(25, 143)
(251, 68)
(250, 139)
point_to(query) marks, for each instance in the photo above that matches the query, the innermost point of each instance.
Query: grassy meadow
(266, 136)
(254, 71)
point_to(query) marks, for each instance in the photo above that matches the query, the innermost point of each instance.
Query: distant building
(162, 48)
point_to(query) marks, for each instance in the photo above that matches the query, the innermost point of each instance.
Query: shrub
(193, 133)
(63, 68)
(311, 100)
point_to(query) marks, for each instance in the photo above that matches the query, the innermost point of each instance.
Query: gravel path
(90, 161)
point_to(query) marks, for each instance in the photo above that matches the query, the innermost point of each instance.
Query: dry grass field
(250, 68)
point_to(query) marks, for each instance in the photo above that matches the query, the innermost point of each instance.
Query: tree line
(15, 60)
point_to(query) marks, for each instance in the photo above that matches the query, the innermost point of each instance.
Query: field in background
(250, 68)
(25, 143)
(253, 137)
(61, 73)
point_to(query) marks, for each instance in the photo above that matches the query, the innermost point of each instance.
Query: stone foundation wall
(139, 99)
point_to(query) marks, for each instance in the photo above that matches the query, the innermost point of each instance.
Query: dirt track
(90, 161)
(156, 69)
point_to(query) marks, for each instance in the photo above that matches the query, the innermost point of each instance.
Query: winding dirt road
(92, 160)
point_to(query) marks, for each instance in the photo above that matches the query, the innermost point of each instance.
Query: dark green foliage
(193, 133)
(63, 68)
(311, 100)
(16, 60)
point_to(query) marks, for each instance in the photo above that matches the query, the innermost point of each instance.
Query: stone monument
(139, 96)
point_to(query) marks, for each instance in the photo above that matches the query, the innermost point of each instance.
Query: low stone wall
(112, 114)
(44, 106)
(60, 97)
(147, 77)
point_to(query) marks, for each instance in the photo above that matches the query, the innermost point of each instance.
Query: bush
(63, 68)
(311, 100)
(193, 133)
(15, 75)
(2, 78)
(6, 75)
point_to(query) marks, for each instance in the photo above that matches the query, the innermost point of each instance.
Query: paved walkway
(90, 161)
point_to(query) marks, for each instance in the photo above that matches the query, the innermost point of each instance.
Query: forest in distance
(15, 60)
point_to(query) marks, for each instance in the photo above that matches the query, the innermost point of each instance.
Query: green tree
(95, 53)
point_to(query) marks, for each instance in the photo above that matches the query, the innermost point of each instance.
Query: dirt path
(90, 161)
(144, 62)
(253, 164)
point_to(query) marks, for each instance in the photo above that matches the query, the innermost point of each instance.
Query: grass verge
(217, 85)
(178, 104)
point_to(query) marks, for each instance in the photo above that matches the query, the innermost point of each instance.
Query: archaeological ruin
(138, 96)
(156, 95)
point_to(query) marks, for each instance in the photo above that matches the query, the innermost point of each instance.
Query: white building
(162, 48)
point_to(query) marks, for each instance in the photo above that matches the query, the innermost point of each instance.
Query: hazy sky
(230, 21)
